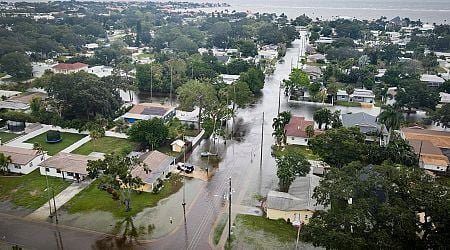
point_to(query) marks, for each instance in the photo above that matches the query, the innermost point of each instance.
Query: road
(237, 162)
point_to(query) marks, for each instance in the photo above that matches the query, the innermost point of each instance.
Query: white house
(229, 79)
(190, 119)
(296, 131)
(359, 95)
(432, 80)
(147, 111)
(66, 166)
(100, 71)
(68, 68)
(23, 161)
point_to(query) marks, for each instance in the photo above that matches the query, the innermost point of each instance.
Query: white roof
(445, 98)
(188, 116)
(8, 93)
(431, 78)
(178, 142)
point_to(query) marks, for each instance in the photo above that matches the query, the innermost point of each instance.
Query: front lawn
(255, 232)
(106, 145)
(29, 191)
(167, 149)
(6, 137)
(347, 104)
(94, 199)
(53, 148)
(295, 148)
(219, 228)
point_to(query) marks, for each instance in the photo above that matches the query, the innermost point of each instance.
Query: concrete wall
(27, 168)
(274, 214)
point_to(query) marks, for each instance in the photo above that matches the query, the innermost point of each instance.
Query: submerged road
(240, 161)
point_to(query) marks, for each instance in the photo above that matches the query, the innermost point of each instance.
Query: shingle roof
(69, 66)
(154, 109)
(156, 162)
(19, 156)
(297, 126)
(440, 139)
(365, 122)
(69, 162)
(298, 198)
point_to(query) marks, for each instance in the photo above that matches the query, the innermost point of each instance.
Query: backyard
(5, 136)
(29, 191)
(261, 233)
(294, 148)
(106, 145)
(53, 148)
(94, 199)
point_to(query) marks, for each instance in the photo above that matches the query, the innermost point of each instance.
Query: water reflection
(125, 235)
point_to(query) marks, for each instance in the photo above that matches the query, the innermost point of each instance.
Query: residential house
(100, 71)
(158, 165)
(68, 68)
(296, 131)
(313, 72)
(190, 119)
(229, 79)
(359, 95)
(67, 166)
(368, 125)
(297, 206)
(23, 161)
(433, 147)
(445, 98)
(316, 58)
(147, 111)
(433, 81)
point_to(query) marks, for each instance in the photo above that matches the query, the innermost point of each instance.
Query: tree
(117, 176)
(417, 95)
(297, 79)
(16, 64)
(150, 76)
(289, 166)
(149, 132)
(332, 90)
(322, 116)
(4, 162)
(82, 95)
(391, 117)
(379, 207)
(247, 48)
(339, 146)
(279, 124)
(310, 131)
(184, 44)
(350, 89)
(254, 78)
(36, 105)
(442, 116)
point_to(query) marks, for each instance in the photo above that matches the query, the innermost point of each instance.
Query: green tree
(297, 79)
(442, 116)
(149, 132)
(378, 207)
(117, 176)
(391, 117)
(339, 146)
(417, 95)
(322, 116)
(289, 166)
(4, 162)
(254, 78)
(16, 64)
(247, 48)
(184, 44)
(310, 131)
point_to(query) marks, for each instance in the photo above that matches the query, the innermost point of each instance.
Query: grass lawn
(255, 232)
(106, 145)
(29, 190)
(2, 74)
(348, 104)
(219, 228)
(295, 148)
(53, 148)
(167, 149)
(5, 136)
(94, 199)
(191, 132)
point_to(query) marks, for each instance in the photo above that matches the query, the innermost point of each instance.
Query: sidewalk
(19, 141)
(62, 198)
(76, 144)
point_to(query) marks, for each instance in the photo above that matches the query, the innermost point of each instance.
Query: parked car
(186, 167)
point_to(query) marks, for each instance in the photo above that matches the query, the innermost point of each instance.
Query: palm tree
(332, 90)
(4, 162)
(280, 136)
(350, 89)
(277, 123)
(392, 118)
(285, 117)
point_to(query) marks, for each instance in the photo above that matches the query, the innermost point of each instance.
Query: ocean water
(429, 11)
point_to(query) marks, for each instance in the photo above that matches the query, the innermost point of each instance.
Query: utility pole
(420, 152)
(54, 206)
(279, 98)
(171, 84)
(151, 82)
(229, 214)
(48, 193)
(262, 141)
(200, 113)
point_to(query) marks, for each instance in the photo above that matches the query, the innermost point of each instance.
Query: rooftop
(365, 122)
(297, 126)
(68, 162)
(151, 109)
(70, 66)
(440, 139)
(156, 163)
(19, 156)
(431, 78)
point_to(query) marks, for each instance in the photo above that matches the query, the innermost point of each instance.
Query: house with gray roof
(157, 166)
(23, 161)
(297, 206)
(368, 125)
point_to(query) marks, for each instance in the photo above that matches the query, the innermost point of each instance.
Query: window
(31, 164)
(58, 171)
(306, 216)
(17, 166)
(69, 174)
(47, 169)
